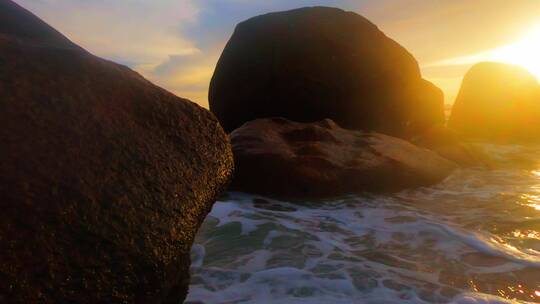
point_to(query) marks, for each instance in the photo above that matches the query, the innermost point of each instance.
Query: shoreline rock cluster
(344, 88)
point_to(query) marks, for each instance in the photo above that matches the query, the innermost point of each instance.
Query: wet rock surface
(278, 157)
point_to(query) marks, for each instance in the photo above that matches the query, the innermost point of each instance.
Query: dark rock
(278, 157)
(450, 145)
(104, 177)
(314, 63)
(497, 102)
(20, 25)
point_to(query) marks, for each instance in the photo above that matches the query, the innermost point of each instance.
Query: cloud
(176, 43)
(136, 32)
(149, 36)
(187, 76)
(132, 31)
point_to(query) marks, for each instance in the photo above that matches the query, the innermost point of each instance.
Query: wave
(475, 238)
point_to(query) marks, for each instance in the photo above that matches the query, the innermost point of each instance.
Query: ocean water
(474, 238)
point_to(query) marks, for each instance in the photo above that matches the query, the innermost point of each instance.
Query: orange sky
(441, 33)
(176, 43)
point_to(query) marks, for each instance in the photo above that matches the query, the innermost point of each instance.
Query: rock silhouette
(281, 158)
(497, 102)
(104, 177)
(314, 63)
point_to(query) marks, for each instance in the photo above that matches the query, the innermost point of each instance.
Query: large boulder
(281, 158)
(497, 102)
(104, 177)
(314, 63)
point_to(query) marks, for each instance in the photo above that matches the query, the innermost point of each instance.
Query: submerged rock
(314, 63)
(104, 177)
(497, 102)
(278, 157)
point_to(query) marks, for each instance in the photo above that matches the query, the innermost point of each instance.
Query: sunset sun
(525, 52)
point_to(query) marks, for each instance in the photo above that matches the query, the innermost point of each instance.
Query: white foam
(480, 298)
(402, 248)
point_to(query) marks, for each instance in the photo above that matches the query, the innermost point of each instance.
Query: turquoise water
(474, 238)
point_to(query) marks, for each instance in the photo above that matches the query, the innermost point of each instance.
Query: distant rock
(104, 177)
(314, 63)
(281, 158)
(450, 145)
(498, 102)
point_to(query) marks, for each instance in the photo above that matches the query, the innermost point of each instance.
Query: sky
(176, 43)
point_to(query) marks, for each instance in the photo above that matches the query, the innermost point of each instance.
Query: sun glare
(525, 52)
